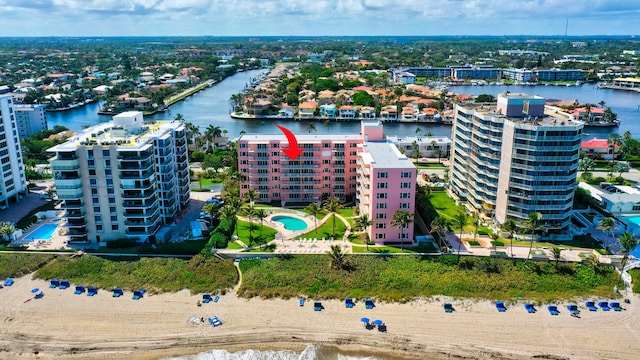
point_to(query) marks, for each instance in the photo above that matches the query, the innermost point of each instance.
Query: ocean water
(311, 352)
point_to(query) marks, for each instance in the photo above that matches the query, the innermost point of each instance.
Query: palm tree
(401, 219)
(459, 222)
(236, 205)
(6, 230)
(260, 214)
(178, 117)
(250, 213)
(607, 225)
(440, 226)
(314, 210)
(628, 242)
(250, 196)
(213, 133)
(556, 253)
(532, 224)
(209, 209)
(476, 224)
(229, 215)
(494, 239)
(311, 127)
(363, 222)
(510, 226)
(337, 257)
(418, 131)
(332, 206)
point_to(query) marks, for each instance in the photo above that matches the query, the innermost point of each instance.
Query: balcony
(59, 165)
(131, 194)
(136, 174)
(139, 203)
(69, 194)
(134, 155)
(68, 183)
(74, 213)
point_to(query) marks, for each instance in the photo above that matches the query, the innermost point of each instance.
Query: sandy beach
(68, 326)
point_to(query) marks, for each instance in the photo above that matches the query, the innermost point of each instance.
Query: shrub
(121, 243)
(197, 156)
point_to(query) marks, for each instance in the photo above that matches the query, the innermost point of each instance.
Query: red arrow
(293, 151)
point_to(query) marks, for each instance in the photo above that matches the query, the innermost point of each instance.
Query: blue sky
(317, 17)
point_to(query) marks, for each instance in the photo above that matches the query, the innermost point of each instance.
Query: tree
(494, 239)
(332, 206)
(179, 117)
(459, 222)
(211, 210)
(6, 230)
(250, 213)
(363, 222)
(213, 133)
(586, 164)
(229, 214)
(418, 131)
(510, 226)
(250, 196)
(314, 210)
(532, 224)
(260, 214)
(476, 224)
(607, 225)
(621, 167)
(556, 254)
(401, 219)
(628, 242)
(337, 256)
(311, 127)
(440, 226)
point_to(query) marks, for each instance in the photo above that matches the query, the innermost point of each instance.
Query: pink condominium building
(364, 168)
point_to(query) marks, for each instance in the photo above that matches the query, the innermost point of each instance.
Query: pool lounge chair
(8, 281)
(448, 308)
(138, 294)
(530, 308)
(317, 306)
(64, 284)
(54, 283)
(348, 303)
(616, 306)
(79, 289)
(117, 292)
(553, 310)
(604, 306)
(92, 291)
(591, 306)
(368, 304)
(39, 295)
(500, 306)
(301, 302)
(206, 298)
(216, 298)
(573, 309)
(214, 321)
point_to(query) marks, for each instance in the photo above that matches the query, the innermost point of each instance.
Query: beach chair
(216, 298)
(92, 291)
(214, 321)
(500, 306)
(530, 308)
(54, 283)
(64, 284)
(317, 306)
(301, 302)
(616, 306)
(553, 310)
(79, 289)
(348, 303)
(8, 281)
(206, 298)
(604, 306)
(448, 308)
(39, 295)
(591, 306)
(138, 294)
(368, 304)
(117, 292)
(573, 309)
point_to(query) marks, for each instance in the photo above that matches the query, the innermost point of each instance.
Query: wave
(311, 352)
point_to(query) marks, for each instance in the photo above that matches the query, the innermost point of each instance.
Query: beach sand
(68, 326)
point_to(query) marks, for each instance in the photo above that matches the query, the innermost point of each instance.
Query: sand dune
(69, 326)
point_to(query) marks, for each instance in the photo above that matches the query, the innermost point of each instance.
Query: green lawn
(584, 241)
(349, 214)
(259, 237)
(635, 279)
(430, 166)
(326, 229)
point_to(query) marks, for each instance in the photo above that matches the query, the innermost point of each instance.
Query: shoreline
(62, 324)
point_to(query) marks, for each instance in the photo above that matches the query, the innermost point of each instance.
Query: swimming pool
(634, 219)
(290, 223)
(44, 232)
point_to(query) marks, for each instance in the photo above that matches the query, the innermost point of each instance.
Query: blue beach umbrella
(34, 290)
(378, 322)
(365, 320)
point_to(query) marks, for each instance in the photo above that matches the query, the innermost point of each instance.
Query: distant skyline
(317, 17)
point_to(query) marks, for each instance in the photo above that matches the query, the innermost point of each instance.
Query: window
(98, 218)
(381, 195)
(98, 227)
(96, 209)
(107, 163)
(94, 191)
(112, 209)
(381, 216)
(95, 200)
(93, 182)
(381, 225)
(90, 154)
(91, 163)
(107, 172)
(381, 205)
(114, 219)
(114, 227)
(406, 174)
(109, 182)
(405, 195)
(381, 185)
(405, 185)
(112, 200)
(110, 191)
(105, 153)
(381, 236)
(404, 205)
(243, 146)
(383, 175)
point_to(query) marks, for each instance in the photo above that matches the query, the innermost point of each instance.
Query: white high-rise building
(13, 183)
(30, 119)
(122, 179)
(514, 158)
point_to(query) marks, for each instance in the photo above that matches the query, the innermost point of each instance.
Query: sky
(317, 17)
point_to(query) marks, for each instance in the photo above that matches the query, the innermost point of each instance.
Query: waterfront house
(347, 112)
(389, 113)
(286, 111)
(307, 109)
(328, 111)
(367, 112)
(599, 149)
(592, 114)
(409, 114)
(325, 97)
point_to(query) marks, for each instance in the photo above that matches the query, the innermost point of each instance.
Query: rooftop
(304, 138)
(385, 155)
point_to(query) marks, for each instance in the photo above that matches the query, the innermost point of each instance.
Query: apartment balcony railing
(69, 194)
(68, 183)
(61, 165)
